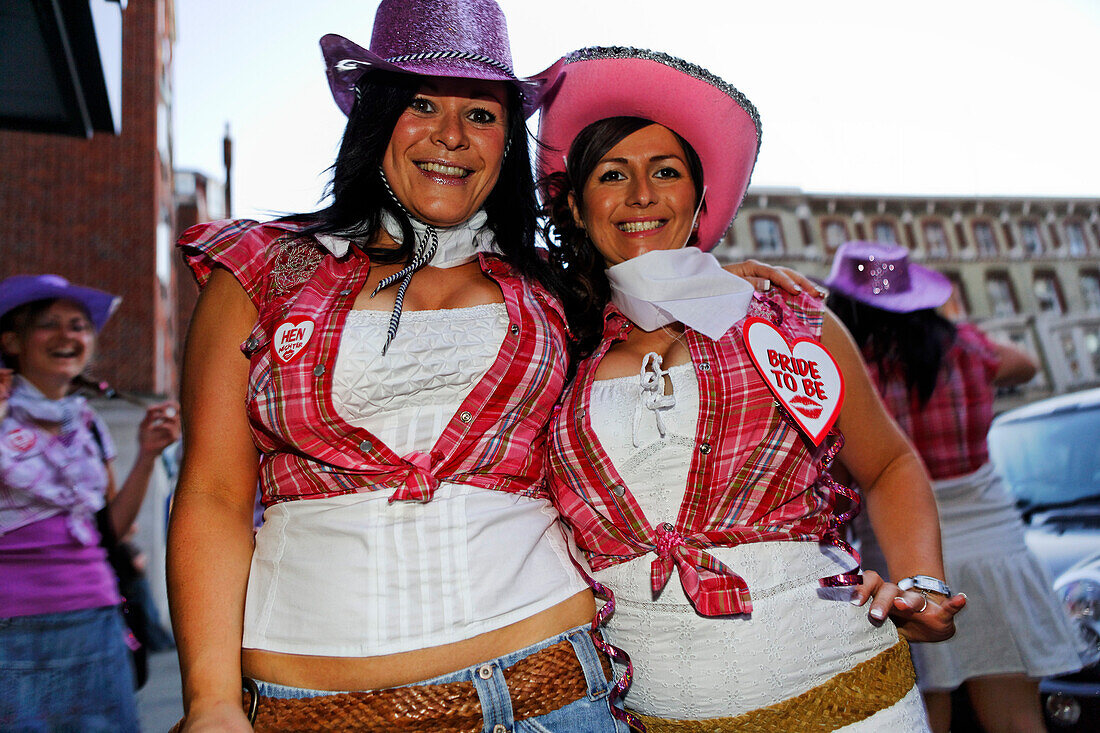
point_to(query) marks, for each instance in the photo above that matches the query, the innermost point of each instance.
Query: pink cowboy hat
(719, 122)
(881, 276)
(466, 39)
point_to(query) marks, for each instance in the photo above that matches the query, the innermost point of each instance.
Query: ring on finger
(924, 605)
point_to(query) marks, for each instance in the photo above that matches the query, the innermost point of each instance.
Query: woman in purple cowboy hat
(64, 661)
(938, 380)
(695, 478)
(398, 355)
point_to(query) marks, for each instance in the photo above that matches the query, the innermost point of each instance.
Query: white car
(1049, 455)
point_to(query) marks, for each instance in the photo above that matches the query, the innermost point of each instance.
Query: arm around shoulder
(210, 532)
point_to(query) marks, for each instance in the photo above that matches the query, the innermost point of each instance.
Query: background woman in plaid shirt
(938, 379)
(670, 452)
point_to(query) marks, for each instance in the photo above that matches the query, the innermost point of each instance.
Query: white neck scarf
(457, 245)
(28, 404)
(685, 285)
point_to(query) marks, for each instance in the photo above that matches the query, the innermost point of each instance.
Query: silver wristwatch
(922, 583)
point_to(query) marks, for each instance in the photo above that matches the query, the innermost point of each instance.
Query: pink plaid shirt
(753, 476)
(949, 431)
(497, 438)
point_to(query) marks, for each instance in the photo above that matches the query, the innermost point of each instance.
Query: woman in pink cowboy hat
(696, 438)
(385, 369)
(64, 660)
(938, 379)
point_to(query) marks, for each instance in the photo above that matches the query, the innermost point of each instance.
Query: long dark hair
(359, 196)
(570, 248)
(912, 345)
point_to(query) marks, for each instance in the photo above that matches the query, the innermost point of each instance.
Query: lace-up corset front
(648, 434)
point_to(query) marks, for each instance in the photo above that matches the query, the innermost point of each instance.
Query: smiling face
(639, 197)
(445, 153)
(53, 348)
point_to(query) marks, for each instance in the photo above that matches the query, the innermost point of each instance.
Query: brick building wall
(99, 211)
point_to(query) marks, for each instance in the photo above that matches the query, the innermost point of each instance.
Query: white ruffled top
(355, 575)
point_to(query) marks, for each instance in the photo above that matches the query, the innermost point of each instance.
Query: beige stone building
(1027, 270)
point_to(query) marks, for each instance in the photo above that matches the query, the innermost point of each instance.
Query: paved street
(159, 701)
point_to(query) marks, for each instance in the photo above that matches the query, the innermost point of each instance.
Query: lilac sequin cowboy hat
(881, 275)
(458, 38)
(19, 290)
(716, 119)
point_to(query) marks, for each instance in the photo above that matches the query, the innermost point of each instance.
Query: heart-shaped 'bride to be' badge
(290, 338)
(803, 376)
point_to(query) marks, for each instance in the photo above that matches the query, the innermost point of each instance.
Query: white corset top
(649, 435)
(406, 397)
(355, 575)
(628, 416)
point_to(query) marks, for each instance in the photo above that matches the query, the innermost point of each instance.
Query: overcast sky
(964, 97)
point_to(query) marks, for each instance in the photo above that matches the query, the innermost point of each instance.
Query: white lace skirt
(1012, 624)
(799, 635)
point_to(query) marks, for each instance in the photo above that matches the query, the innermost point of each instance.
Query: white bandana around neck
(686, 285)
(457, 245)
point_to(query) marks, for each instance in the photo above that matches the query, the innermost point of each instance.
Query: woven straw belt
(538, 684)
(847, 698)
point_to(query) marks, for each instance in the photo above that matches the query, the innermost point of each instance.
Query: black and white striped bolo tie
(425, 250)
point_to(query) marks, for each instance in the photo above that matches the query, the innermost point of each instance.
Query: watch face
(925, 583)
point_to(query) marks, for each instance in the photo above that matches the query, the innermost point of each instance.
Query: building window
(1001, 298)
(768, 235)
(1092, 346)
(1090, 290)
(835, 233)
(936, 238)
(958, 305)
(1075, 237)
(1032, 238)
(885, 232)
(1073, 358)
(1048, 294)
(986, 239)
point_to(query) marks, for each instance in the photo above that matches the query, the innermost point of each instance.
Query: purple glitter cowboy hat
(19, 290)
(459, 38)
(881, 275)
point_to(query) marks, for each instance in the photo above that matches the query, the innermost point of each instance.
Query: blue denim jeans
(589, 714)
(66, 671)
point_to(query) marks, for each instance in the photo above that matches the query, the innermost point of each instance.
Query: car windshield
(1052, 459)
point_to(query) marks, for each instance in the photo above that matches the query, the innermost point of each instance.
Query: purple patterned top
(50, 488)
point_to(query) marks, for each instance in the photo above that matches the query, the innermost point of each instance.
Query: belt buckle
(249, 685)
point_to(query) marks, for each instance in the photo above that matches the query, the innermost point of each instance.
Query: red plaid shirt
(949, 431)
(496, 439)
(753, 476)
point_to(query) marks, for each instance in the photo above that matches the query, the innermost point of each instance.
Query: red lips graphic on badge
(290, 338)
(804, 377)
